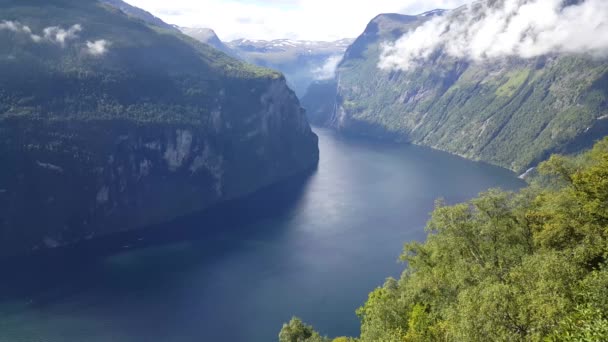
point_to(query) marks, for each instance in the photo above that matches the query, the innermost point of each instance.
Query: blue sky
(294, 19)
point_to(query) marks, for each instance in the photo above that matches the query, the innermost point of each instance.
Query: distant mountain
(291, 46)
(109, 124)
(208, 36)
(509, 111)
(204, 35)
(301, 61)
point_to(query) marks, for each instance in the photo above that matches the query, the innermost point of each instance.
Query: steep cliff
(107, 124)
(320, 101)
(508, 110)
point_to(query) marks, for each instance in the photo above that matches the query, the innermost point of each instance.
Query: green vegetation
(297, 331)
(515, 80)
(109, 123)
(526, 266)
(148, 73)
(511, 112)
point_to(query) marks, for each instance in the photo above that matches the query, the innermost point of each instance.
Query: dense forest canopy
(525, 266)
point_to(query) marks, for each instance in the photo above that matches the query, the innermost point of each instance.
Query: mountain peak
(203, 34)
(386, 22)
(209, 37)
(138, 13)
(433, 13)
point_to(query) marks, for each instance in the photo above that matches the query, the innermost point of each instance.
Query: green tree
(298, 331)
(526, 266)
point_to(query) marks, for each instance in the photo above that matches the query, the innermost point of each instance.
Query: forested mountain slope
(139, 13)
(505, 108)
(109, 124)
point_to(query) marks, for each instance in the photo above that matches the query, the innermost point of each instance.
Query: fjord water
(313, 249)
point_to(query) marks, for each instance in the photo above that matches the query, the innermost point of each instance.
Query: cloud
(293, 19)
(520, 28)
(57, 35)
(53, 34)
(98, 47)
(17, 27)
(10, 25)
(60, 36)
(328, 69)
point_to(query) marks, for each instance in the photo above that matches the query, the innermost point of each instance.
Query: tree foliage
(526, 266)
(297, 331)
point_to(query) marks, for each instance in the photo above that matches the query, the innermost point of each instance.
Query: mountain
(301, 61)
(209, 37)
(139, 13)
(286, 46)
(510, 111)
(319, 101)
(110, 124)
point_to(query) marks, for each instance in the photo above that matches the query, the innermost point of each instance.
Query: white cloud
(522, 28)
(53, 34)
(328, 69)
(294, 19)
(17, 27)
(98, 47)
(57, 35)
(12, 26)
(61, 36)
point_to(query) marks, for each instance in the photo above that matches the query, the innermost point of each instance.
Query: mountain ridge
(208, 36)
(138, 13)
(467, 108)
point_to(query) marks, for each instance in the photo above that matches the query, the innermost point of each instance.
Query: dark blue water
(312, 248)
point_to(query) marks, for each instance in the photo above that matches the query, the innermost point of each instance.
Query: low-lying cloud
(520, 28)
(61, 36)
(57, 35)
(98, 47)
(328, 69)
(17, 27)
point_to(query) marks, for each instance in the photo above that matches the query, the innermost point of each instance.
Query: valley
(235, 171)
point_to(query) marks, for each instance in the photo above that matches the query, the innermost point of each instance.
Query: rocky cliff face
(93, 144)
(320, 101)
(509, 111)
